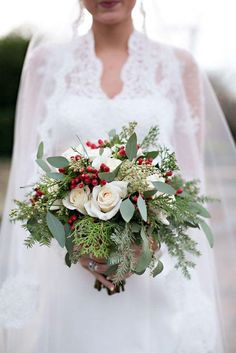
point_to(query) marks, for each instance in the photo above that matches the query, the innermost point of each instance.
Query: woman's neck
(112, 37)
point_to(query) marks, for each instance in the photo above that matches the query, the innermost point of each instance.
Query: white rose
(112, 163)
(76, 199)
(105, 201)
(57, 204)
(155, 177)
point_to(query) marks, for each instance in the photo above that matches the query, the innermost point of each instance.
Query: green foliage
(93, 236)
(124, 254)
(127, 131)
(151, 138)
(131, 147)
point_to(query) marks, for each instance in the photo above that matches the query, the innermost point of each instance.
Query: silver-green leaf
(58, 162)
(56, 228)
(142, 208)
(146, 255)
(131, 147)
(163, 187)
(40, 151)
(43, 165)
(56, 176)
(207, 230)
(127, 210)
(158, 269)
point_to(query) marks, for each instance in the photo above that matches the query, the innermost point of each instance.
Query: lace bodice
(77, 104)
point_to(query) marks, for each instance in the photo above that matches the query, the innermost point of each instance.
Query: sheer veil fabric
(46, 307)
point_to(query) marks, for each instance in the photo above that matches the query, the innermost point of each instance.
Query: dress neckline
(133, 41)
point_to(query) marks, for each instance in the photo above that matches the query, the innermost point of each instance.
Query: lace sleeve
(192, 83)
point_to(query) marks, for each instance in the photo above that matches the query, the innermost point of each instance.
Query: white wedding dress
(47, 307)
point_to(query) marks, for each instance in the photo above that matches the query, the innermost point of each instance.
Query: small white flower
(53, 188)
(105, 201)
(76, 199)
(155, 177)
(112, 163)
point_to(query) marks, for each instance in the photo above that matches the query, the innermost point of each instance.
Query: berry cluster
(37, 196)
(72, 220)
(100, 143)
(147, 161)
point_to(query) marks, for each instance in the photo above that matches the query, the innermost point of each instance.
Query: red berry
(93, 146)
(81, 185)
(73, 182)
(169, 173)
(74, 218)
(89, 169)
(73, 186)
(87, 180)
(102, 166)
(94, 182)
(82, 176)
(122, 152)
(100, 142)
(62, 170)
(88, 143)
(140, 161)
(81, 170)
(103, 182)
(135, 198)
(77, 157)
(77, 180)
(72, 227)
(106, 169)
(70, 221)
(179, 191)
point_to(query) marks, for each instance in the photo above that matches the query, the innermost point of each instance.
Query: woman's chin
(109, 18)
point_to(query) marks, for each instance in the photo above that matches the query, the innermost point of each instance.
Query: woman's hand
(101, 265)
(100, 268)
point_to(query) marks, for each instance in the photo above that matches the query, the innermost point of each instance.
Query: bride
(87, 86)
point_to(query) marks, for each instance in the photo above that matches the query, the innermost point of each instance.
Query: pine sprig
(124, 255)
(151, 139)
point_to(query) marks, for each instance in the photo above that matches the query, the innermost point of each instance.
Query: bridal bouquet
(103, 198)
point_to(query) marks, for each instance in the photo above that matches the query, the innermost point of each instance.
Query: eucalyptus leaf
(56, 228)
(127, 210)
(149, 193)
(69, 239)
(131, 147)
(152, 154)
(56, 176)
(101, 150)
(43, 165)
(40, 151)
(58, 162)
(207, 230)
(158, 269)
(112, 133)
(163, 187)
(142, 208)
(146, 255)
(202, 211)
(110, 176)
(68, 260)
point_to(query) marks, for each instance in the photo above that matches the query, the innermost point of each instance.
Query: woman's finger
(102, 279)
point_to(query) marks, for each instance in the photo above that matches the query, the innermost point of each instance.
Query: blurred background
(206, 28)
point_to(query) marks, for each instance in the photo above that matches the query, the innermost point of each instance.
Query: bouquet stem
(118, 287)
